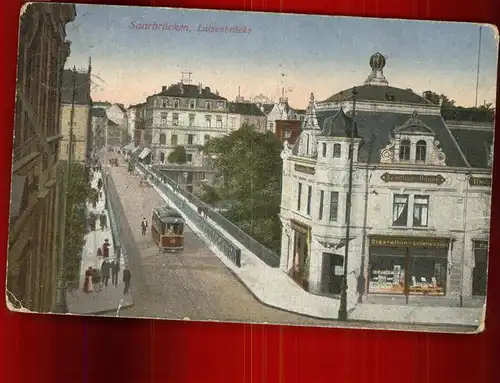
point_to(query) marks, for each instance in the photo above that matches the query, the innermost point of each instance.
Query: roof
(475, 144)
(167, 214)
(338, 125)
(99, 112)
(376, 129)
(245, 109)
(468, 114)
(267, 108)
(300, 111)
(82, 87)
(189, 91)
(380, 93)
(142, 104)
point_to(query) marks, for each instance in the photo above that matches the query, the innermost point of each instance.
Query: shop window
(309, 198)
(163, 139)
(334, 206)
(323, 149)
(427, 271)
(420, 210)
(337, 150)
(299, 196)
(421, 151)
(404, 150)
(321, 197)
(400, 210)
(387, 271)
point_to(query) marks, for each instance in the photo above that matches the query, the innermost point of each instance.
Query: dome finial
(377, 63)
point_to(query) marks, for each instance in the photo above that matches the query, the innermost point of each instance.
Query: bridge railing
(262, 252)
(224, 244)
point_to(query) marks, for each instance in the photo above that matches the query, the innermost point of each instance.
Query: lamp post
(342, 315)
(61, 305)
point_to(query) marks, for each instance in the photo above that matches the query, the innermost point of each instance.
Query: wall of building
(81, 123)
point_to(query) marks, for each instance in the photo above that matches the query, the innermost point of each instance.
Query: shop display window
(387, 271)
(427, 271)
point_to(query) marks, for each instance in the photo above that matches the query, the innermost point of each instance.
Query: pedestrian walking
(105, 270)
(103, 220)
(92, 221)
(144, 226)
(87, 284)
(105, 249)
(99, 184)
(127, 276)
(115, 269)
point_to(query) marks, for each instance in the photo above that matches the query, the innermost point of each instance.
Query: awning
(19, 196)
(144, 153)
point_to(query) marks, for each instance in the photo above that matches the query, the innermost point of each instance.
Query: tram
(167, 229)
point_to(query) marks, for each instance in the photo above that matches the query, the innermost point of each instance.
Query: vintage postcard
(251, 167)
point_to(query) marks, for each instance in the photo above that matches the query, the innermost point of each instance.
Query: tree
(178, 155)
(436, 99)
(249, 167)
(79, 191)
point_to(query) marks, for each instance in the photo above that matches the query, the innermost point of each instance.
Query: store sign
(413, 178)
(389, 241)
(304, 169)
(479, 181)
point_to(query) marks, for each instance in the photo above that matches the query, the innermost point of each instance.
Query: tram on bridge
(167, 229)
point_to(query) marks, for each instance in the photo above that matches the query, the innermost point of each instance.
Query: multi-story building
(136, 120)
(280, 111)
(99, 124)
(33, 259)
(75, 93)
(116, 133)
(288, 130)
(420, 208)
(246, 113)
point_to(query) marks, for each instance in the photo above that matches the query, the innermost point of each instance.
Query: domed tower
(377, 63)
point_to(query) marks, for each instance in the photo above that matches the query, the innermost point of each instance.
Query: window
(173, 139)
(206, 138)
(208, 105)
(400, 210)
(271, 125)
(190, 139)
(164, 103)
(163, 120)
(163, 139)
(334, 206)
(288, 134)
(337, 150)
(309, 197)
(232, 122)
(420, 210)
(218, 122)
(321, 197)
(421, 150)
(189, 157)
(176, 104)
(299, 196)
(175, 119)
(191, 119)
(191, 104)
(404, 150)
(323, 145)
(162, 157)
(208, 121)
(220, 105)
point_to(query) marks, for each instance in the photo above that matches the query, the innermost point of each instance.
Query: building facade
(136, 119)
(246, 113)
(420, 207)
(280, 111)
(33, 259)
(288, 130)
(76, 93)
(99, 124)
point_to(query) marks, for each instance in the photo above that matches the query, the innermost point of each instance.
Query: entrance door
(298, 272)
(480, 272)
(332, 273)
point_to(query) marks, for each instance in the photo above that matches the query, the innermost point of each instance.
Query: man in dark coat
(115, 269)
(99, 184)
(105, 269)
(144, 226)
(127, 276)
(105, 248)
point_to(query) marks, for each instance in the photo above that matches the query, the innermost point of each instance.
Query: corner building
(420, 212)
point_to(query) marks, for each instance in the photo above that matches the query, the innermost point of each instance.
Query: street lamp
(61, 305)
(342, 315)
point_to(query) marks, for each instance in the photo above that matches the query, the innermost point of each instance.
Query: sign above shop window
(393, 241)
(304, 169)
(479, 181)
(413, 178)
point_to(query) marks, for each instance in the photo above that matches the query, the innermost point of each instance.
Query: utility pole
(343, 293)
(61, 306)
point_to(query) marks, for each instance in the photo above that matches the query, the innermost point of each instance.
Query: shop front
(480, 271)
(408, 265)
(300, 267)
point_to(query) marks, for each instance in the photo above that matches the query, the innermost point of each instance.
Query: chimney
(200, 87)
(163, 88)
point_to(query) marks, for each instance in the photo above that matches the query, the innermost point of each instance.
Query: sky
(302, 54)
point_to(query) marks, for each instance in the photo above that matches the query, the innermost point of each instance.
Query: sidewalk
(274, 288)
(110, 298)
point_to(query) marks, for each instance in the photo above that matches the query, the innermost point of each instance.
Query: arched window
(176, 103)
(404, 150)
(421, 150)
(323, 145)
(337, 150)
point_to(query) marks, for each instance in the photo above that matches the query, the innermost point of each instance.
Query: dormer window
(191, 104)
(337, 150)
(164, 103)
(323, 145)
(421, 151)
(404, 150)
(208, 105)
(176, 103)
